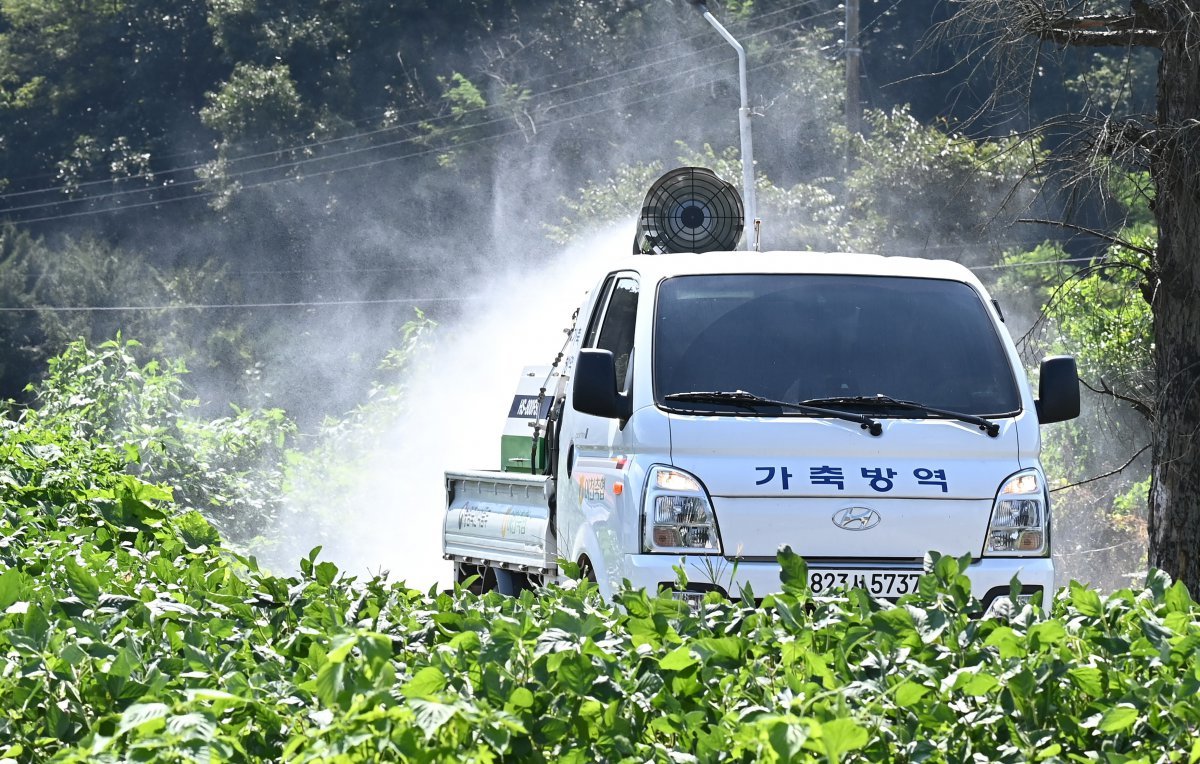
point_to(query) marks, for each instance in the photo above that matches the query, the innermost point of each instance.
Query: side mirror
(1058, 390)
(595, 390)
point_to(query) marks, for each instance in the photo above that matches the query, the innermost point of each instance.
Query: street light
(748, 196)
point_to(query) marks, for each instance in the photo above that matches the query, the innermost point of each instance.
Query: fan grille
(690, 209)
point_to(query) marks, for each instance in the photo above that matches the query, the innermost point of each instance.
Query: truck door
(592, 445)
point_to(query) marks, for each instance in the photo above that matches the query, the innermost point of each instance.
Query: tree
(1168, 145)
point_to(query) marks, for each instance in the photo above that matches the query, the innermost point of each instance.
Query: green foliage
(87, 273)
(1115, 82)
(919, 185)
(323, 483)
(464, 109)
(227, 468)
(915, 189)
(253, 103)
(253, 111)
(606, 202)
(1099, 313)
(127, 632)
(96, 88)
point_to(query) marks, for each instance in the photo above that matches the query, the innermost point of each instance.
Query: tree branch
(1099, 234)
(1142, 28)
(1139, 406)
(1124, 38)
(1110, 473)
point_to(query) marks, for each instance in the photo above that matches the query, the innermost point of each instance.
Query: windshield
(800, 337)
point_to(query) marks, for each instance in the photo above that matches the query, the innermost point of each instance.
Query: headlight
(677, 515)
(1020, 520)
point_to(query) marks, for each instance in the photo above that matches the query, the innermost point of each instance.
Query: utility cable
(392, 128)
(351, 151)
(399, 301)
(366, 165)
(234, 305)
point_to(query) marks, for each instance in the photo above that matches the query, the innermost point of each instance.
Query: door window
(617, 325)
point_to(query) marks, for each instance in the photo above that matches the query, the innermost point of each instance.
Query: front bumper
(990, 576)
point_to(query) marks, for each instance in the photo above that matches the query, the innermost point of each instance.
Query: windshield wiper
(751, 401)
(885, 401)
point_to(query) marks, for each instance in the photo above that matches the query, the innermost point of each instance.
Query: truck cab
(711, 408)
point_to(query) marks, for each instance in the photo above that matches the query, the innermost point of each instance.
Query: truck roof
(848, 263)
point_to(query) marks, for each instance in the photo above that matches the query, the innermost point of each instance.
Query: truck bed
(501, 519)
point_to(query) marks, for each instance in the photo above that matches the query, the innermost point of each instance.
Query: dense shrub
(129, 632)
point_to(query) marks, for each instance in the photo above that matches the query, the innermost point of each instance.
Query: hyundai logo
(856, 518)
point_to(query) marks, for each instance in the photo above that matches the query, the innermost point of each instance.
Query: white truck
(710, 408)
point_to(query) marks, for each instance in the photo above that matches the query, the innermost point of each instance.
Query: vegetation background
(261, 193)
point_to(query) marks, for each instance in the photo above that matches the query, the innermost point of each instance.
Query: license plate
(881, 583)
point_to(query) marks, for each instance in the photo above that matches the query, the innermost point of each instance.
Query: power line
(347, 152)
(377, 113)
(297, 271)
(366, 165)
(333, 303)
(394, 128)
(232, 306)
(1074, 261)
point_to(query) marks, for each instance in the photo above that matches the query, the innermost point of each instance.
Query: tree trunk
(1174, 525)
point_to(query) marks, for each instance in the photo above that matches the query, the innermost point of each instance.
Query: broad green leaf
(196, 532)
(793, 571)
(326, 572)
(1006, 641)
(427, 682)
(141, 714)
(82, 583)
(1047, 633)
(909, 693)
(193, 726)
(341, 647)
(1118, 718)
(636, 603)
(330, 682)
(678, 659)
(576, 673)
(786, 739)
(895, 621)
(1089, 679)
(726, 650)
(11, 589)
(170, 609)
(839, 737)
(208, 693)
(980, 684)
(521, 698)
(432, 715)
(1086, 601)
(466, 642)
(143, 491)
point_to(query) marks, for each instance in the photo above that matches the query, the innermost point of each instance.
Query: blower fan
(689, 209)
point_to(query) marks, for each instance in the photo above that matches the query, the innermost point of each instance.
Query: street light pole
(749, 201)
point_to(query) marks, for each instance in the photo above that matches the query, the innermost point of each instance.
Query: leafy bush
(1099, 312)
(129, 632)
(227, 468)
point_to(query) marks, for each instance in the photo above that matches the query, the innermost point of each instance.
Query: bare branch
(1139, 406)
(1110, 473)
(1118, 241)
(1124, 38)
